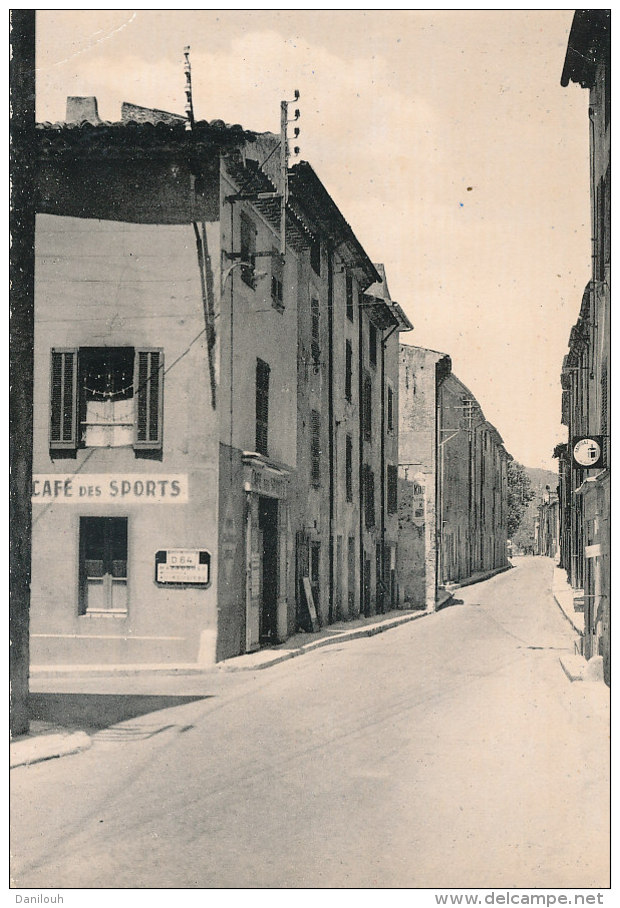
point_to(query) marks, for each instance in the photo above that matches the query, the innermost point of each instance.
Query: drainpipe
(384, 341)
(360, 398)
(330, 399)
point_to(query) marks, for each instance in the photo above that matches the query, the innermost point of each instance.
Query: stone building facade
(585, 491)
(472, 512)
(421, 374)
(216, 421)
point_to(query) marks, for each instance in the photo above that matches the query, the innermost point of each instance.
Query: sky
(444, 137)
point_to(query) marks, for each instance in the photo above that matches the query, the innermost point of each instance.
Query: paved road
(451, 751)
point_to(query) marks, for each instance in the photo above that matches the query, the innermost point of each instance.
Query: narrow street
(448, 752)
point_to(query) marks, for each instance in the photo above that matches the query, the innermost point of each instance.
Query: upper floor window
(315, 315)
(348, 370)
(106, 397)
(315, 448)
(277, 280)
(349, 292)
(262, 406)
(392, 488)
(390, 409)
(248, 250)
(349, 468)
(315, 255)
(372, 344)
(367, 406)
(369, 496)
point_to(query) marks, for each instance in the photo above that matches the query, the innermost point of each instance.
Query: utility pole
(21, 354)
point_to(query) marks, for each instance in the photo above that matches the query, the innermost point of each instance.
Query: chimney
(80, 109)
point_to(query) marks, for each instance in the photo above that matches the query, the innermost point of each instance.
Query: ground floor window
(103, 566)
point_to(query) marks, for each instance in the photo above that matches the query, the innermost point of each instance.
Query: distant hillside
(542, 478)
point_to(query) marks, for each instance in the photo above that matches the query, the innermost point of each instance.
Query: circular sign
(587, 452)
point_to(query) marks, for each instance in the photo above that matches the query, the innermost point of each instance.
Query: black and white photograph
(310, 454)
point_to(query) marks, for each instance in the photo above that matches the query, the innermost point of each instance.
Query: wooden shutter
(148, 386)
(390, 409)
(349, 468)
(392, 489)
(262, 406)
(63, 400)
(315, 447)
(367, 407)
(348, 375)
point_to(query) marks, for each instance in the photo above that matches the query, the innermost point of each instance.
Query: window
(248, 250)
(392, 489)
(367, 406)
(315, 448)
(349, 290)
(103, 566)
(262, 406)
(315, 255)
(372, 344)
(106, 397)
(349, 468)
(390, 409)
(369, 496)
(315, 314)
(348, 373)
(277, 280)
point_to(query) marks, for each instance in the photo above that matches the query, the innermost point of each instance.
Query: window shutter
(392, 489)
(262, 406)
(148, 385)
(315, 447)
(63, 400)
(348, 374)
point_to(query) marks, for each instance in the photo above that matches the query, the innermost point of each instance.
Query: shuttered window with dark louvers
(148, 396)
(63, 403)
(262, 406)
(315, 447)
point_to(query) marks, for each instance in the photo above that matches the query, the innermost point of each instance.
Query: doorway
(268, 541)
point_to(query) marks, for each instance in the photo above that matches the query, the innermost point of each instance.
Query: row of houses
(584, 462)
(219, 389)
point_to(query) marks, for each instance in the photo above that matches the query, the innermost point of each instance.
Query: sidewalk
(563, 594)
(95, 689)
(302, 643)
(477, 578)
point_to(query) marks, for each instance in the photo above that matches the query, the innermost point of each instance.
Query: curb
(469, 581)
(47, 747)
(356, 634)
(567, 616)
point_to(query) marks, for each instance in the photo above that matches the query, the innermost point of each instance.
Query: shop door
(268, 527)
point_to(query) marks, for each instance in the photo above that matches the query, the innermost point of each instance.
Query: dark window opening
(262, 407)
(277, 280)
(103, 565)
(369, 496)
(390, 409)
(372, 344)
(349, 291)
(315, 256)
(348, 373)
(106, 397)
(349, 468)
(392, 489)
(367, 407)
(248, 251)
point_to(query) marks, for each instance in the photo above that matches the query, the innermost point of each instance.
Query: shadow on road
(98, 711)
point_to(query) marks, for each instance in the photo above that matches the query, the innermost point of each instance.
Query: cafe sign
(110, 488)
